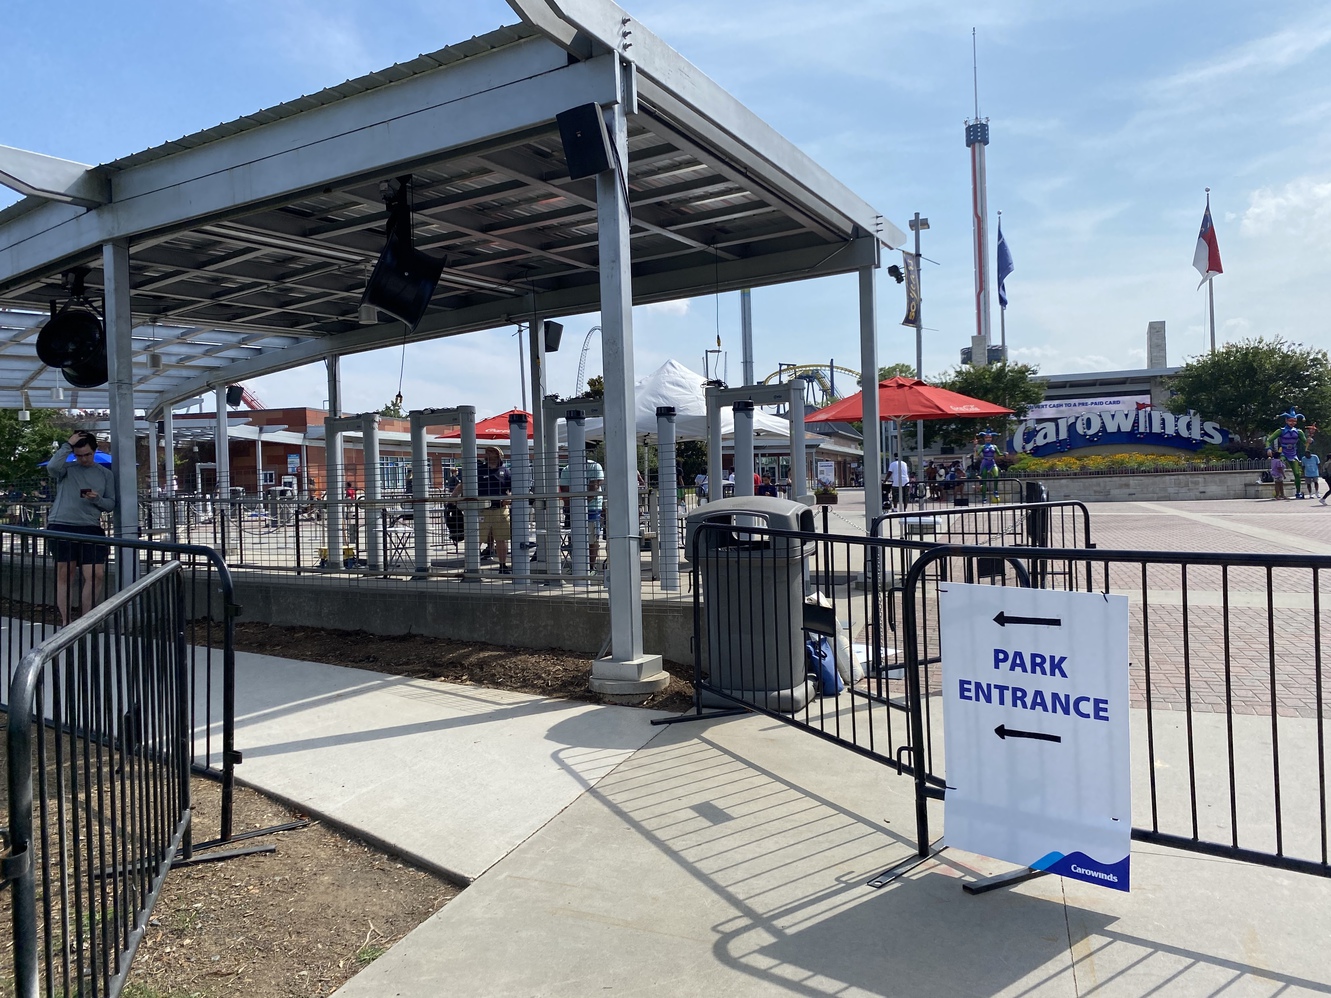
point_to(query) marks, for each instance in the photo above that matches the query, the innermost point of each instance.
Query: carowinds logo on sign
(1035, 715)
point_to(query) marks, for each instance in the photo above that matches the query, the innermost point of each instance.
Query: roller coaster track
(816, 375)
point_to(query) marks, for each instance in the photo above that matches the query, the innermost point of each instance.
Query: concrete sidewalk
(727, 856)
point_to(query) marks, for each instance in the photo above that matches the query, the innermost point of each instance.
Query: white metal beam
(35, 174)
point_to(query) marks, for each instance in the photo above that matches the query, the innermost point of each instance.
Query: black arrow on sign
(1004, 732)
(1003, 619)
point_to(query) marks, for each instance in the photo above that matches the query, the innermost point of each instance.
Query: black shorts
(72, 551)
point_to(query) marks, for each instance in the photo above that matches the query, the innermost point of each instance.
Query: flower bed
(1127, 464)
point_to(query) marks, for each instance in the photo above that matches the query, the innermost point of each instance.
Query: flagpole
(1210, 301)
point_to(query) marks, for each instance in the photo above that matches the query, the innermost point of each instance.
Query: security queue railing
(34, 589)
(98, 756)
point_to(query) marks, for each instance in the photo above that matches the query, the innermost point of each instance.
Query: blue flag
(1004, 265)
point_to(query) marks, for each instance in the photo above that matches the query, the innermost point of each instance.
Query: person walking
(84, 490)
(898, 474)
(1312, 470)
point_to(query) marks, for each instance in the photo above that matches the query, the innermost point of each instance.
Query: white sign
(293, 463)
(827, 472)
(1035, 715)
(1053, 408)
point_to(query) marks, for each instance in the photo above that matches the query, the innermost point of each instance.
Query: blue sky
(1108, 121)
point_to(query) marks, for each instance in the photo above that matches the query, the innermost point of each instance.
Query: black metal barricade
(31, 595)
(98, 757)
(838, 636)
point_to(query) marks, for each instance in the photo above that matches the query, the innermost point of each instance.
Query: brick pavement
(1250, 638)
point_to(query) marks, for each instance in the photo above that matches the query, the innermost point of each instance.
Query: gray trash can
(753, 600)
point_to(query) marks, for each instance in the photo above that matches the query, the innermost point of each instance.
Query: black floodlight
(235, 394)
(403, 281)
(895, 273)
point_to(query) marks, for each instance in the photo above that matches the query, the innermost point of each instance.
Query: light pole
(918, 224)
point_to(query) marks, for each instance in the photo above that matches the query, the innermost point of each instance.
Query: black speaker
(554, 332)
(74, 340)
(586, 142)
(404, 279)
(235, 394)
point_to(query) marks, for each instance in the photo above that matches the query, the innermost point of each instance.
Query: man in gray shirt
(84, 490)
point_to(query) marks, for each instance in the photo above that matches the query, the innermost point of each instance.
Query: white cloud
(678, 307)
(1272, 53)
(1300, 209)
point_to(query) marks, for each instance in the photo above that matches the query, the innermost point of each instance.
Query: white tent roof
(674, 384)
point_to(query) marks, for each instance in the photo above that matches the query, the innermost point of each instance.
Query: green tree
(1246, 385)
(1010, 385)
(898, 370)
(595, 387)
(24, 445)
(394, 409)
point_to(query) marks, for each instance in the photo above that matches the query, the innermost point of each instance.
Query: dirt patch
(299, 921)
(543, 673)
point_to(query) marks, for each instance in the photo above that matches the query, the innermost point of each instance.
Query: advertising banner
(1035, 717)
(911, 269)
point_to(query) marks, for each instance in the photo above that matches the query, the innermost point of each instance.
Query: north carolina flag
(1206, 258)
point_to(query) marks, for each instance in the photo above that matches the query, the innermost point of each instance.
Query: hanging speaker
(71, 336)
(554, 332)
(235, 394)
(586, 142)
(404, 279)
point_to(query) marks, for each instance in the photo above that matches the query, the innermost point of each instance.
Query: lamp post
(917, 225)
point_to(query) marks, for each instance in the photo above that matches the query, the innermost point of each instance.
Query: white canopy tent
(673, 384)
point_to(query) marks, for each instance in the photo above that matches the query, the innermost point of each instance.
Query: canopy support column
(120, 392)
(333, 464)
(169, 452)
(628, 671)
(222, 444)
(873, 483)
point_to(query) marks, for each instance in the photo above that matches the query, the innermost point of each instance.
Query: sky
(1107, 123)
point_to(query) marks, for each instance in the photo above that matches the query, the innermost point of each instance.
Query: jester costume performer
(987, 454)
(1292, 445)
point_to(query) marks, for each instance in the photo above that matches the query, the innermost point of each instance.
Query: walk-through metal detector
(742, 401)
(463, 416)
(575, 413)
(367, 424)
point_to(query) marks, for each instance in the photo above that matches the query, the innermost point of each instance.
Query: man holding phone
(84, 490)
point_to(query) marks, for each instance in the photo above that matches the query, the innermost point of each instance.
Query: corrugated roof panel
(491, 40)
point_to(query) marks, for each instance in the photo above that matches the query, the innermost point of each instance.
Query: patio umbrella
(101, 457)
(905, 400)
(494, 428)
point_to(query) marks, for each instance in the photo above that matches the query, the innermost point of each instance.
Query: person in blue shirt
(84, 490)
(1312, 470)
(494, 484)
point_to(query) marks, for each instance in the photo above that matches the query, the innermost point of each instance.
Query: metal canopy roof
(250, 242)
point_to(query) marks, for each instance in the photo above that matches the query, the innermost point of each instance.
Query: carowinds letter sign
(1035, 719)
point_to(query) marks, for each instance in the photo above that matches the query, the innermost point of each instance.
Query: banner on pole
(911, 269)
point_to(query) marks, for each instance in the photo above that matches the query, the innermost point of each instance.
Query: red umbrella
(494, 428)
(906, 400)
